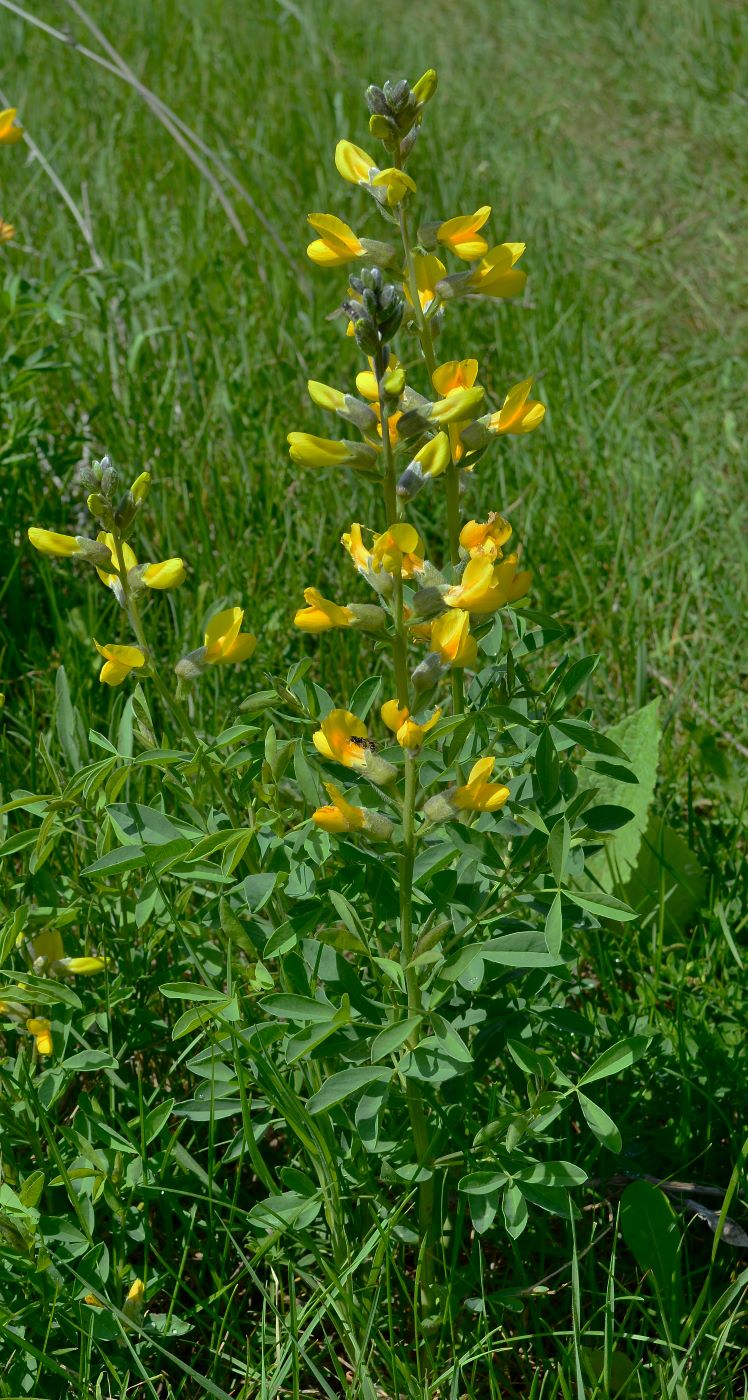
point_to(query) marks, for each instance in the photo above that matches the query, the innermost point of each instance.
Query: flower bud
(428, 672)
(424, 89)
(376, 100)
(438, 809)
(394, 383)
(384, 129)
(95, 552)
(192, 665)
(428, 602)
(367, 617)
(378, 827)
(109, 476)
(140, 487)
(101, 509)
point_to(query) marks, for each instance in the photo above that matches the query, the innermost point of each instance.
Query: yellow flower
(462, 235)
(46, 945)
(118, 662)
(408, 733)
(338, 243)
(225, 642)
(325, 396)
(41, 1030)
(451, 639)
(518, 413)
(485, 536)
(57, 546)
(140, 487)
(107, 575)
(429, 271)
(457, 407)
(83, 967)
(133, 1304)
(495, 275)
(353, 163)
(342, 737)
(399, 548)
(454, 375)
(168, 574)
(396, 183)
(306, 450)
(478, 794)
(425, 88)
(7, 231)
(353, 542)
(486, 586)
(339, 816)
(429, 462)
(320, 615)
(9, 130)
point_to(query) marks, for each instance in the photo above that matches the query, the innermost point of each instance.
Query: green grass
(611, 139)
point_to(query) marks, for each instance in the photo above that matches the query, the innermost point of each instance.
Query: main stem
(416, 1111)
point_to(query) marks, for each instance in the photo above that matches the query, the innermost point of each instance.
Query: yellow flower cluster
(440, 436)
(117, 566)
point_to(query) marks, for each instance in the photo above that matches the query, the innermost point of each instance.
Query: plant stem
(399, 645)
(451, 476)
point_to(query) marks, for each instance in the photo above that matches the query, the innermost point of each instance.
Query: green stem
(418, 1121)
(452, 475)
(399, 645)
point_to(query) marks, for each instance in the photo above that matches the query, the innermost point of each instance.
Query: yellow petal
(393, 714)
(8, 132)
(168, 574)
(353, 163)
(57, 546)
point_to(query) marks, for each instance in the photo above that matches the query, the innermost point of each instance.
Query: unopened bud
(101, 509)
(366, 617)
(95, 552)
(428, 602)
(438, 809)
(140, 487)
(394, 383)
(384, 128)
(429, 672)
(424, 89)
(379, 828)
(192, 665)
(376, 100)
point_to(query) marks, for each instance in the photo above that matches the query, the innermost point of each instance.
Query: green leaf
(559, 843)
(547, 766)
(257, 890)
(342, 1085)
(618, 1057)
(117, 861)
(300, 1010)
(554, 927)
(190, 991)
(91, 1060)
(392, 1037)
(156, 1119)
(481, 1183)
(639, 736)
(305, 776)
(650, 1229)
(364, 696)
(572, 681)
(604, 906)
(69, 728)
(600, 1123)
(514, 1207)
